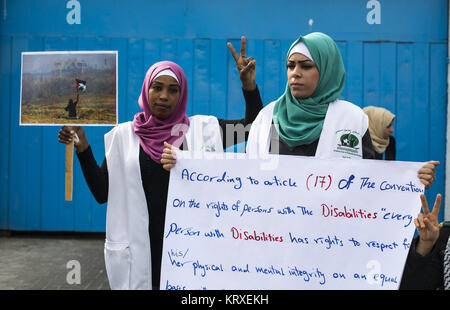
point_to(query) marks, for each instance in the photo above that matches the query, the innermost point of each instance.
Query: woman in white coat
(132, 179)
(309, 119)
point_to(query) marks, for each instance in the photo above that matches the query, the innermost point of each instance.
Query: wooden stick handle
(69, 171)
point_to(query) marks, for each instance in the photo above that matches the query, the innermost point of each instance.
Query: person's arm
(236, 131)
(253, 104)
(423, 267)
(96, 177)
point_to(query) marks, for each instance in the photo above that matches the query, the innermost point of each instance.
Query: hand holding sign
(74, 135)
(427, 173)
(169, 158)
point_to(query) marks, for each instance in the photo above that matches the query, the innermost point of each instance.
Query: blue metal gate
(395, 53)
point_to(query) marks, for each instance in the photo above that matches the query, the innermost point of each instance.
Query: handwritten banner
(308, 224)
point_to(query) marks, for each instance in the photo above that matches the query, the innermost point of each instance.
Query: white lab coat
(127, 246)
(342, 119)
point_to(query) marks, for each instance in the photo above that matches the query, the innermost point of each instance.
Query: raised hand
(245, 66)
(427, 225)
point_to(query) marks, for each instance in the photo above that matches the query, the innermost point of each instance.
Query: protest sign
(308, 224)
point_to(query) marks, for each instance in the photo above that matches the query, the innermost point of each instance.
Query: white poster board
(308, 224)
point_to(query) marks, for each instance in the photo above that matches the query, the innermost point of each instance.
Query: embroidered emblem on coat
(348, 143)
(349, 140)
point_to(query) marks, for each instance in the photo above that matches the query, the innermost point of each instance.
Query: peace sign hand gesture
(427, 225)
(245, 66)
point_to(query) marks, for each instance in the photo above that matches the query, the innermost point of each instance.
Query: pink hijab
(152, 132)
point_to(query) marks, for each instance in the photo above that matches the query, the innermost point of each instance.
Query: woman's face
(389, 130)
(163, 96)
(303, 75)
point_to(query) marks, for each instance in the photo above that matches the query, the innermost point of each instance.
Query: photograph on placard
(69, 88)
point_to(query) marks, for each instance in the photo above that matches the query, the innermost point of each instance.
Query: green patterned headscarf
(300, 121)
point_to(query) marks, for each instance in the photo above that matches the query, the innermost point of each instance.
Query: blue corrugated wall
(399, 63)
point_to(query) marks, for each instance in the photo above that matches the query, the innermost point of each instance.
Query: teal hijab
(300, 121)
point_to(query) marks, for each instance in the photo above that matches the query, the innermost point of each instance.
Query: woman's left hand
(169, 158)
(427, 174)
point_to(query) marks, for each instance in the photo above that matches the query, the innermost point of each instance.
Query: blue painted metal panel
(437, 115)
(186, 61)
(200, 97)
(399, 64)
(388, 76)
(420, 125)
(218, 80)
(404, 100)
(5, 126)
(25, 154)
(371, 71)
(273, 65)
(135, 76)
(406, 20)
(354, 73)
